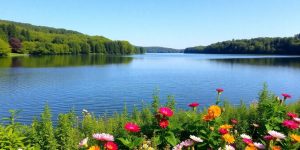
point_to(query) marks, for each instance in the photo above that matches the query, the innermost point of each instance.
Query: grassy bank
(270, 124)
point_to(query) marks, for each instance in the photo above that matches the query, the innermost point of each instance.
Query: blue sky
(169, 23)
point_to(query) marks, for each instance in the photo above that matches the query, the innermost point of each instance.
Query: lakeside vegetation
(24, 38)
(162, 50)
(286, 46)
(270, 123)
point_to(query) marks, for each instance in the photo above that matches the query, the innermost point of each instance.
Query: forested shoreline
(282, 46)
(39, 40)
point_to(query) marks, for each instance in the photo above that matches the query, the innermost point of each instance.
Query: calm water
(104, 84)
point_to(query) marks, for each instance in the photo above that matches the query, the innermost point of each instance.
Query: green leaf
(126, 142)
(171, 138)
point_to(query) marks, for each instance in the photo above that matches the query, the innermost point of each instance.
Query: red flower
(219, 90)
(268, 137)
(291, 124)
(286, 96)
(234, 121)
(111, 146)
(163, 123)
(132, 127)
(292, 115)
(194, 104)
(223, 131)
(165, 111)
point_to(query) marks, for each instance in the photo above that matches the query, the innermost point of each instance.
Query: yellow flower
(276, 148)
(94, 148)
(228, 138)
(295, 138)
(212, 128)
(214, 110)
(251, 148)
(226, 126)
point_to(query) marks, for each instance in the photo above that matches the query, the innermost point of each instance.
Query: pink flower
(103, 137)
(132, 127)
(268, 137)
(165, 111)
(219, 90)
(234, 121)
(163, 123)
(187, 143)
(286, 96)
(194, 104)
(247, 141)
(291, 124)
(276, 134)
(259, 145)
(292, 115)
(297, 120)
(223, 131)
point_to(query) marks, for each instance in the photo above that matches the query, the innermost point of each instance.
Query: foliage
(162, 126)
(4, 48)
(286, 45)
(39, 40)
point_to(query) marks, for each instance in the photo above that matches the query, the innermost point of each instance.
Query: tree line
(38, 40)
(286, 45)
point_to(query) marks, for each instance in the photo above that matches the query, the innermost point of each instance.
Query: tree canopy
(40, 40)
(286, 45)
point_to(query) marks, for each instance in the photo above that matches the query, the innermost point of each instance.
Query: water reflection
(282, 62)
(63, 61)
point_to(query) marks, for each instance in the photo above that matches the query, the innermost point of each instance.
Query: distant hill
(266, 45)
(25, 38)
(162, 50)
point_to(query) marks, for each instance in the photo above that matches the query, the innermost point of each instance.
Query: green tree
(4, 48)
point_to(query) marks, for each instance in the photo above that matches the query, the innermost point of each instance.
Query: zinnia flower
(228, 138)
(165, 111)
(295, 137)
(111, 146)
(223, 131)
(297, 120)
(194, 104)
(250, 148)
(290, 124)
(292, 115)
(276, 134)
(259, 145)
(226, 126)
(163, 123)
(196, 139)
(177, 147)
(245, 136)
(268, 137)
(219, 90)
(229, 147)
(248, 141)
(234, 121)
(187, 143)
(276, 148)
(286, 96)
(94, 148)
(213, 112)
(103, 137)
(132, 127)
(83, 143)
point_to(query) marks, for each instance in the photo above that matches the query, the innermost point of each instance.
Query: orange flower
(295, 137)
(226, 126)
(276, 148)
(251, 148)
(228, 138)
(94, 148)
(213, 112)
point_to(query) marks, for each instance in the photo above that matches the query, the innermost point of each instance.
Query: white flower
(196, 139)
(259, 145)
(297, 119)
(84, 142)
(276, 134)
(103, 137)
(227, 147)
(245, 136)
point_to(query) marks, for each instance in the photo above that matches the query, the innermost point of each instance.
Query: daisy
(276, 134)
(196, 139)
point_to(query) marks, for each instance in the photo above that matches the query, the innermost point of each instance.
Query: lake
(103, 84)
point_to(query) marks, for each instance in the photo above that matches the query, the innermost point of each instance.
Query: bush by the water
(269, 124)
